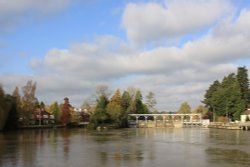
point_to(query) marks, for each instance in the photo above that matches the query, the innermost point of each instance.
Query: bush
(247, 118)
(222, 119)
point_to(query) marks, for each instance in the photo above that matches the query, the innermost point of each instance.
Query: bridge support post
(155, 121)
(191, 120)
(164, 121)
(182, 119)
(137, 121)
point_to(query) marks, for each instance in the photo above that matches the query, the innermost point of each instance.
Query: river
(169, 147)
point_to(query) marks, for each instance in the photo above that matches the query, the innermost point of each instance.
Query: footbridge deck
(166, 120)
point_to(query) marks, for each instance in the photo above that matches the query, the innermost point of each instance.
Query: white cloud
(171, 72)
(155, 21)
(176, 74)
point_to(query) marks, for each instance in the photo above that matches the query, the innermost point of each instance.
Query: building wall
(244, 117)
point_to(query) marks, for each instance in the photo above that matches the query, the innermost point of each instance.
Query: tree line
(114, 111)
(230, 97)
(13, 106)
(18, 107)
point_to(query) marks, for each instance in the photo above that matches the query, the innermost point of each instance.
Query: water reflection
(128, 147)
(222, 156)
(66, 143)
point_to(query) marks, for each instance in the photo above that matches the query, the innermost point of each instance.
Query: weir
(165, 120)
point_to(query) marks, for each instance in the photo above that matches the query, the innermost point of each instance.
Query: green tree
(243, 81)
(12, 120)
(208, 101)
(16, 95)
(125, 101)
(184, 108)
(227, 99)
(100, 116)
(55, 110)
(8, 111)
(247, 118)
(4, 110)
(136, 105)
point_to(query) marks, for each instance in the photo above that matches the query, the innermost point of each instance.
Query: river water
(169, 147)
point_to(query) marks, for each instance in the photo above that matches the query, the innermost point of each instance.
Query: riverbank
(53, 126)
(230, 126)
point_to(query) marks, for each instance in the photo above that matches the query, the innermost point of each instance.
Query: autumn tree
(28, 101)
(65, 112)
(114, 109)
(203, 111)
(184, 108)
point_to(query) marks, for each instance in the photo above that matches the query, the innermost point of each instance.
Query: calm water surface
(187, 147)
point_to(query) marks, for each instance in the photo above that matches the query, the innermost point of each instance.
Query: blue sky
(174, 48)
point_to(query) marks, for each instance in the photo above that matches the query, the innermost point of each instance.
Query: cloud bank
(176, 73)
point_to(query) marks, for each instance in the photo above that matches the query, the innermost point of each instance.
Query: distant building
(83, 114)
(42, 117)
(244, 115)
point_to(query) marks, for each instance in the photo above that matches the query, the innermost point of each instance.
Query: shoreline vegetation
(224, 101)
(213, 125)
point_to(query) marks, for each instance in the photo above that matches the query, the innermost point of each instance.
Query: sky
(174, 48)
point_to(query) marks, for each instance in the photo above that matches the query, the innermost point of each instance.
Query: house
(245, 116)
(83, 115)
(42, 117)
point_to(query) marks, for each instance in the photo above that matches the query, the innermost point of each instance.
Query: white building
(244, 115)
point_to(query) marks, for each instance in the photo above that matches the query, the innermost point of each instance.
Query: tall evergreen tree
(8, 111)
(227, 99)
(4, 111)
(17, 96)
(100, 116)
(125, 101)
(208, 101)
(139, 106)
(242, 77)
(12, 120)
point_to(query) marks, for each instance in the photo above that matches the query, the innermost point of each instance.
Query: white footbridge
(165, 120)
